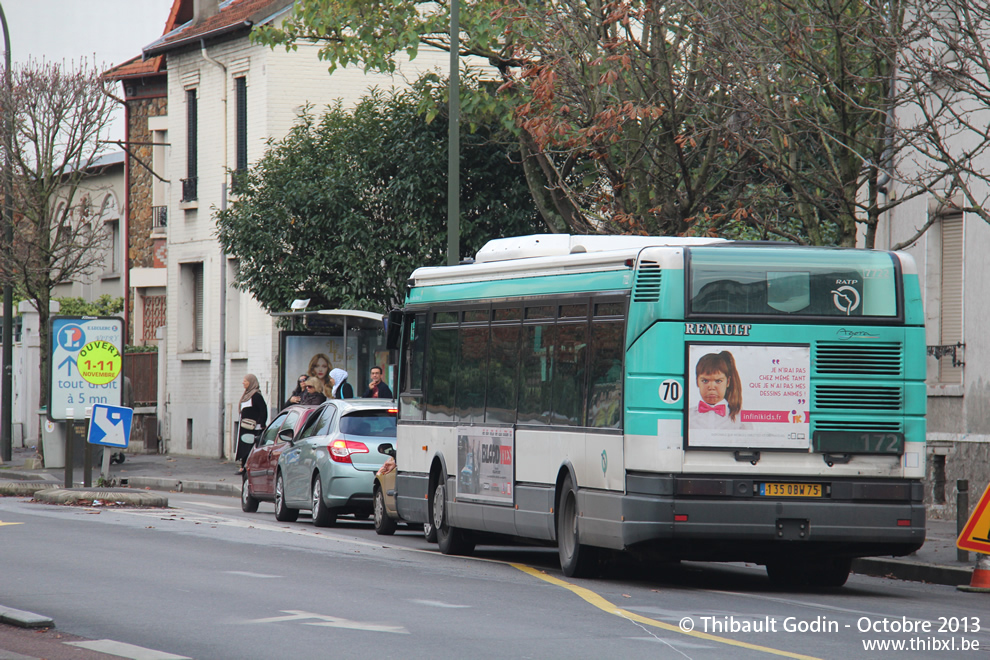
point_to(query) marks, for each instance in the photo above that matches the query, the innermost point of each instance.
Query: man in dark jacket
(378, 389)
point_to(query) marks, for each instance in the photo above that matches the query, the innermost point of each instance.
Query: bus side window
(442, 372)
(605, 379)
(414, 357)
(503, 374)
(536, 377)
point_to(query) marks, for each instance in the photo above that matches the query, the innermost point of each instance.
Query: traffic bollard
(962, 514)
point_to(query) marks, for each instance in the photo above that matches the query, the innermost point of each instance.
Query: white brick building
(226, 97)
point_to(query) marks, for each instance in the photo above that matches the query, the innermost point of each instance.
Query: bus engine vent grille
(859, 426)
(647, 288)
(881, 359)
(843, 397)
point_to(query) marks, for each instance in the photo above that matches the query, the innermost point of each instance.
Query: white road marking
(437, 603)
(330, 622)
(126, 650)
(212, 506)
(253, 575)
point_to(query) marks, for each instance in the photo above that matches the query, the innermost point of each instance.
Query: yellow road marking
(606, 606)
(2, 523)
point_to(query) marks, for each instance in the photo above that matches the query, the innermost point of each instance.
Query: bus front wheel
(576, 560)
(452, 541)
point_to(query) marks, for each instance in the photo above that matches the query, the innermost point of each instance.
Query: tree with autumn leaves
(725, 117)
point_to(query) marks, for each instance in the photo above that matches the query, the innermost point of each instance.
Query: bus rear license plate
(790, 490)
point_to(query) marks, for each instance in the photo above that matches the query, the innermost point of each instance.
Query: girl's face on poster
(321, 368)
(712, 387)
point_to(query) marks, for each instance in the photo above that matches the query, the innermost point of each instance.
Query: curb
(179, 486)
(110, 496)
(22, 488)
(23, 619)
(915, 571)
(27, 476)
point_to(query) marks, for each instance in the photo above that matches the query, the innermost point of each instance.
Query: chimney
(204, 9)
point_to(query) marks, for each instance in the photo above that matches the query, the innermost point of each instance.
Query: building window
(159, 187)
(153, 316)
(233, 311)
(189, 192)
(112, 229)
(191, 307)
(951, 299)
(240, 85)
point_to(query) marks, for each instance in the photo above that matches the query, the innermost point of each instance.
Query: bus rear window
(798, 282)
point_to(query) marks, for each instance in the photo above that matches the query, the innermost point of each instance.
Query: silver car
(329, 467)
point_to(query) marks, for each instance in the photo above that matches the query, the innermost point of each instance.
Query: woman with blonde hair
(320, 367)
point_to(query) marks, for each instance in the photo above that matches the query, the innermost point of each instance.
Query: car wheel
(429, 532)
(452, 540)
(576, 560)
(384, 526)
(282, 512)
(322, 515)
(249, 503)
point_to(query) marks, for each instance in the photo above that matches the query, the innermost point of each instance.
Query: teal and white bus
(688, 398)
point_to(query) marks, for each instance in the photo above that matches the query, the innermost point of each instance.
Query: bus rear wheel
(452, 541)
(576, 560)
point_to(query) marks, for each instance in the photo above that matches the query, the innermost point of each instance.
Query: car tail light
(341, 450)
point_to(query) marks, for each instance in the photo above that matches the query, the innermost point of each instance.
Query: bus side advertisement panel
(748, 396)
(486, 464)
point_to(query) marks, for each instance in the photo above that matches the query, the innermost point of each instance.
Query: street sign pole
(70, 433)
(87, 462)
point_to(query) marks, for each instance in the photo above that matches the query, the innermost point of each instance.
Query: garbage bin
(52, 440)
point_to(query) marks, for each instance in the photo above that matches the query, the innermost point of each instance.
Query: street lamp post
(6, 451)
(454, 142)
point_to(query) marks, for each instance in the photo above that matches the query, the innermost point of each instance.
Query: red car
(259, 470)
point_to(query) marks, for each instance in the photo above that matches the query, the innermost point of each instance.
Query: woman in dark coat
(254, 416)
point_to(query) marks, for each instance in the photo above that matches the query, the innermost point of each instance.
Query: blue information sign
(85, 364)
(110, 425)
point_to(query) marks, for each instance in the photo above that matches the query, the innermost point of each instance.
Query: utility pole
(6, 405)
(454, 142)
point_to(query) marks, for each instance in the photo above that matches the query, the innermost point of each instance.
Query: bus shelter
(316, 342)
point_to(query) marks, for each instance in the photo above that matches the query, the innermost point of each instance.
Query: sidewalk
(935, 562)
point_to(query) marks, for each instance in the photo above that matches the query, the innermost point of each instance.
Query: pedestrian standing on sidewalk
(378, 389)
(341, 388)
(254, 416)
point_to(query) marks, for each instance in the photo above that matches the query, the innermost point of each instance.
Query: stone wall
(140, 203)
(950, 460)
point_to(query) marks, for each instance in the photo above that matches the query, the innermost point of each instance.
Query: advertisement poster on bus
(742, 396)
(485, 463)
(316, 355)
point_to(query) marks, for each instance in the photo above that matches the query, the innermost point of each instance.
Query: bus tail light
(903, 522)
(680, 517)
(341, 450)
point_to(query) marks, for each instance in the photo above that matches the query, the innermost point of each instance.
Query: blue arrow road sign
(110, 425)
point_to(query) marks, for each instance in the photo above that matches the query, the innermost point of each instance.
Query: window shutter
(198, 308)
(951, 307)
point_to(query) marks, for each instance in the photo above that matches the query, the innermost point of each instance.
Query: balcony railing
(159, 216)
(189, 193)
(955, 350)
